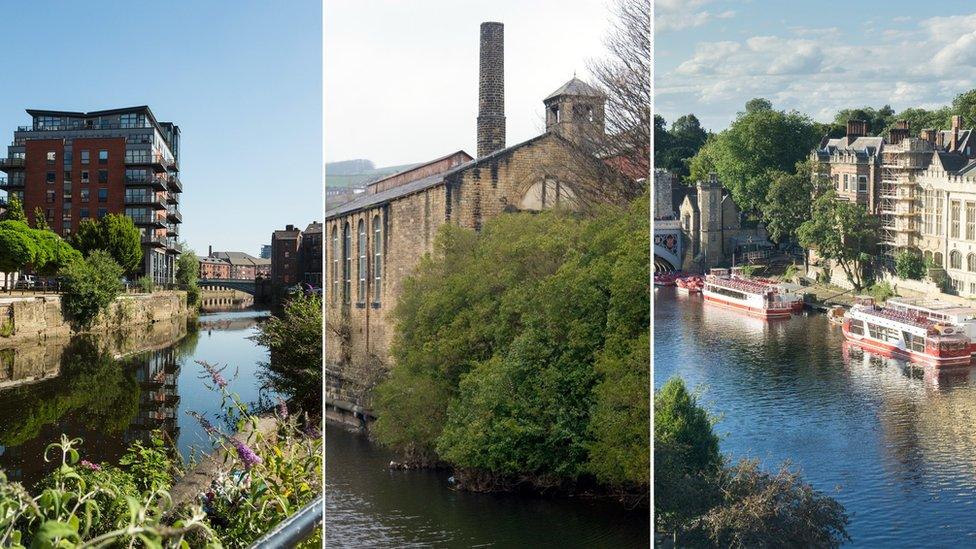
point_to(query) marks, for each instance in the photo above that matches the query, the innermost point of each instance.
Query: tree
(920, 119)
(18, 248)
(758, 104)
(15, 209)
(686, 455)
(53, 252)
(879, 120)
(40, 220)
(675, 148)
(841, 231)
(295, 341)
(910, 264)
(787, 203)
(965, 105)
(187, 267)
(114, 233)
(772, 510)
(90, 286)
(759, 140)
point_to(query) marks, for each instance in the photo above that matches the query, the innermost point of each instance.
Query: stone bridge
(218, 284)
(667, 245)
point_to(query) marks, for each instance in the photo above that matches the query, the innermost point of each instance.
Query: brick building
(76, 166)
(310, 255)
(376, 240)
(213, 268)
(284, 256)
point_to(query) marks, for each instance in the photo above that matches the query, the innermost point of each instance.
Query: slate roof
(575, 87)
(865, 144)
(241, 258)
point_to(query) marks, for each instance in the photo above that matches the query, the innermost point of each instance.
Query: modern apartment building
(84, 165)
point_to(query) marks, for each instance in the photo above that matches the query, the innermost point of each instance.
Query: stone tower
(710, 206)
(491, 89)
(575, 110)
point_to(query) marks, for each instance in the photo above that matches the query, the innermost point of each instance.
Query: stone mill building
(375, 241)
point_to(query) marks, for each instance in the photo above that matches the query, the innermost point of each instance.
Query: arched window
(928, 258)
(361, 289)
(377, 258)
(335, 263)
(971, 263)
(937, 259)
(955, 259)
(347, 263)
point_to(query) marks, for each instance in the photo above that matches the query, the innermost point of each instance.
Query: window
(49, 197)
(85, 193)
(51, 157)
(103, 157)
(103, 176)
(845, 182)
(84, 213)
(361, 290)
(937, 259)
(84, 157)
(131, 120)
(377, 258)
(137, 156)
(971, 263)
(67, 175)
(335, 263)
(954, 207)
(51, 177)
(103, 195)
(970, 220)
(862, 183)
(84, 176)
(939, 203)
(955, 259)
(67, 190)
(102, 212)
(347, 263)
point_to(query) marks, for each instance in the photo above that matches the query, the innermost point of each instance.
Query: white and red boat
(758, 297)
(926, 331)
(690, 284)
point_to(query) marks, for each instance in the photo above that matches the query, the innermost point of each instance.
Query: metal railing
(11, 162)
(294, 529)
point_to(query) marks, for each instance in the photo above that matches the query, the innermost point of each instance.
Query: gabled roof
(575, 87)
(417, 167)
(864, 145)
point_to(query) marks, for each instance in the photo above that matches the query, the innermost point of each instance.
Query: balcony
(155, 241)
(158, 183)
(172, 230)
(175, 184)
(149, 221)
(7, 184)
(174, 215)
(8, 163)
(145, 200)
(172, 198)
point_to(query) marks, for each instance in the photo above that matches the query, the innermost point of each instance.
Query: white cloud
(672, 15)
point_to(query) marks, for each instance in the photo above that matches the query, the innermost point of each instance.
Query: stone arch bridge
(667, 245)
(218, 284)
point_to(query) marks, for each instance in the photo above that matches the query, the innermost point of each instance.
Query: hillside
(356, 173)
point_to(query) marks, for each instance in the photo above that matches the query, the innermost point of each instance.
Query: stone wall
(42, 316)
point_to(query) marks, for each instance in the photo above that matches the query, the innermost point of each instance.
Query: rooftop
(575, 87)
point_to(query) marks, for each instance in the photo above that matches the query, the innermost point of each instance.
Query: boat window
(856, 327)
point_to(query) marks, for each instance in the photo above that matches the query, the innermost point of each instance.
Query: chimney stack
(855, 129)
(939, 139)
(491, 89)
(956, 124)
(210, 251)
(898, 133)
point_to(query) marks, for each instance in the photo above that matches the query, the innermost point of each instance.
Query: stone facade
(491, 89)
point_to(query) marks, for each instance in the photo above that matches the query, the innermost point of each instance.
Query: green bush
(881, 291)
(146, 285)
(89, 286)
(910, 264)
(295, 341)
(192, 294)
(115, 234)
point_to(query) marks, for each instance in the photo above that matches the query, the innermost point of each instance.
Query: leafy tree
(758, 104)
(675, 148)
(53, 252)
(40, 220)
(90, 286)
(920, 119)
(842, 231)
(18, 248)
(787, 202)
(15, 209)
(759, 140)
(879, 120)
(910, 264)
(686, 455)
(965, 105)
(115, 234)
(295, 341)
(772, 510)
(187, 273)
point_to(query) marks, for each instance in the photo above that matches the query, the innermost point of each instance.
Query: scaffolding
(899, 207)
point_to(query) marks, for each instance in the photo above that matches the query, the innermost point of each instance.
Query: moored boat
(690, 284)
(757, 297)
(923, 331)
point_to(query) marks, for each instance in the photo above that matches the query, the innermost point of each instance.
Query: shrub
(90, 285)
(146, 285)
(150, 464)
(910, 264)
(881, 291)
(295, 341)
(115, 234)
(192, 294)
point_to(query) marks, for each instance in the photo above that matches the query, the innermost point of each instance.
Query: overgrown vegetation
(521, 353)
(89, 286)
(115, 234)
(704, 502)
(145, 284)
(187, 273)
(295, 341)
(910, 264)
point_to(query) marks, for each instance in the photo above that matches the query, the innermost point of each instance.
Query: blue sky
(401, 78)
(815, 57)
(242, 79)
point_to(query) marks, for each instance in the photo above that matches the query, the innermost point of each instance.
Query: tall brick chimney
(491, 89)
(855, 129)
(956, 124)
(899, 133)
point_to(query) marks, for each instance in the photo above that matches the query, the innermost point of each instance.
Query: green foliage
(40, 220)
(18, 248)
(760, 140)
(787, 203)
(90, 285)
(674, 148)
(879, 120)
(881, 292)
(510, 342)
(187, 267)
(842, 231)
(791, 272)
(747, 270)
(115, 234)
(151, 465)
(15, 210)
(146, 284)
(759, 509)
(910, 264)
(295, 341)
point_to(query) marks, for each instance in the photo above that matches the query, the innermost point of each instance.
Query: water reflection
(893, 441)
(115, 388)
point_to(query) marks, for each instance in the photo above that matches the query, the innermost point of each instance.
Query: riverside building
(85, 165)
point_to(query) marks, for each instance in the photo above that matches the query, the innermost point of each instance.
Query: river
(369, 505)
(894, 443)
(112, 389)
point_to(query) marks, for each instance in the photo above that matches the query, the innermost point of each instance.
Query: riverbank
(42, 316)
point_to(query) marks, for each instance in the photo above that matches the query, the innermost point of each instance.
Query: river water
(368, 505)
(80, 387)
(894, 443)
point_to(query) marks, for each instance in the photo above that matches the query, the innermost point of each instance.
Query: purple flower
(215, 373)
(248, 457)
(282, 408)
(89, 465)
(205, 423)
